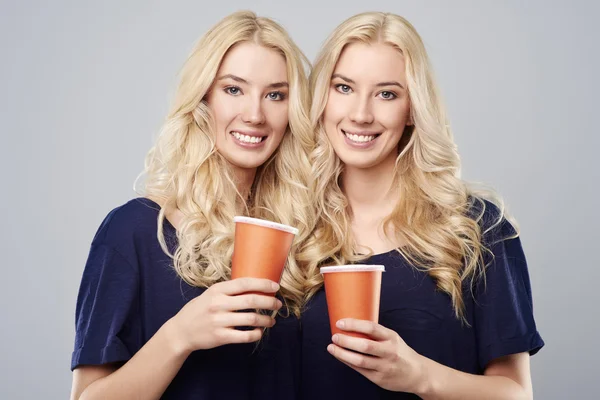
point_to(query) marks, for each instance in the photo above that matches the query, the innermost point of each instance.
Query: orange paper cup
(352, 291)
(261, 248)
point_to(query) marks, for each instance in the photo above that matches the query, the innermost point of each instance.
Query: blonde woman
(156, 313)
(456, 319)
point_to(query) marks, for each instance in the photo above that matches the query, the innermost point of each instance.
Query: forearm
(146, 375)
(445, 383)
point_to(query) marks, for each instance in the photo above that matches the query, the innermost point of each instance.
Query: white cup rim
(266, 223)
(353, 268)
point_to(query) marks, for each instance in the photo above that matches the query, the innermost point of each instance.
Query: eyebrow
(278, 85)
(343, 78)
(389, 83)
(242, 80)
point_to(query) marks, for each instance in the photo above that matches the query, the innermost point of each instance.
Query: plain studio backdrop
(85, 85)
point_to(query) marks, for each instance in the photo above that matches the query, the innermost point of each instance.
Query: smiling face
(249, 104)
(368, 106)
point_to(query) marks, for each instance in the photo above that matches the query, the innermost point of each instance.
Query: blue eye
(233, 90)
(387, 95)
(342, 88)
(276, 96)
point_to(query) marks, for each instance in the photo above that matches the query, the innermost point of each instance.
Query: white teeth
(359, 138)
(246, 138)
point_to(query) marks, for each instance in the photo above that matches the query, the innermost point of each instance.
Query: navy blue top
(129, 290)
(499, 312)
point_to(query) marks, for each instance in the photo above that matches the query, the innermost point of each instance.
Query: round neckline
(387, 253)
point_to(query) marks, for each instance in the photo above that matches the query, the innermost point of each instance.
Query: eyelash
(339, 86)
(280, 95)
(394, 95)
(229, 88)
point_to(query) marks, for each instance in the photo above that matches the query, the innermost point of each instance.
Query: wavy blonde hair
(184, 171)
(434, 214)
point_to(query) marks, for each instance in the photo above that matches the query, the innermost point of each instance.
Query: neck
(369, 190)
(244, 177)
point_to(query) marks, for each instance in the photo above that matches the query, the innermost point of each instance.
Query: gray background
(84, 87)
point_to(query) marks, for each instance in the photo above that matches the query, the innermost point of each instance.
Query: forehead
(371, 63)
(255, 63)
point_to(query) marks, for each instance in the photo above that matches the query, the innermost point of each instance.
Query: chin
(243, 159)
(246, 163)
(356, 161)
(360, 165)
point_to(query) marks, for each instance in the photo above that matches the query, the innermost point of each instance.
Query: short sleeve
(107, 321)
(503, 308)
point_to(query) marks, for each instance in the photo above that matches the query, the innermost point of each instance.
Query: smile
(248, 139)
(360, 138)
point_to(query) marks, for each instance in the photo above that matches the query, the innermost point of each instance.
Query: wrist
(428, 378)
(174, 340)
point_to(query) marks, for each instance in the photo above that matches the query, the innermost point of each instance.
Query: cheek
(334, 113)
(222, 110)
(394, 117)
(279, 119)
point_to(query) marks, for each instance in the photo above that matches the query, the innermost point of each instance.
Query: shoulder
(492, 220)
(129, 223)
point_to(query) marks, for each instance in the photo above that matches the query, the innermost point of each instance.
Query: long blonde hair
(433, 215)
(184, 171)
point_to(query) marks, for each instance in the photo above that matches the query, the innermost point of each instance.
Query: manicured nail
(335, 338)
(275, 286)
(330, 348)
(341, 324)
(279, 304)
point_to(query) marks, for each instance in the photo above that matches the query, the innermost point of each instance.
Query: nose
(361, 112)
(253, 112)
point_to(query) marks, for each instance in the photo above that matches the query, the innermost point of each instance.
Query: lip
(361, 133)
(357, 145)
(249, 133)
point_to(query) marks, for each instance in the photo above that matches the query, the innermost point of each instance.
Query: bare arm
(390, 363)
(505, 378)
(205, 322)
(145, 376)
(83, 376)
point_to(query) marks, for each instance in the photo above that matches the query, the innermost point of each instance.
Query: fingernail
(340, 324)
(279, 304)
(335, 338)
(275, 286)
(330, 348)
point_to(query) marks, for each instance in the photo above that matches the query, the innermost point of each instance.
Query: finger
(369, 328)
(361, 345)
(232, 319)
(353, 359)
(243, 285)
(251, 301)
(228, 335)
